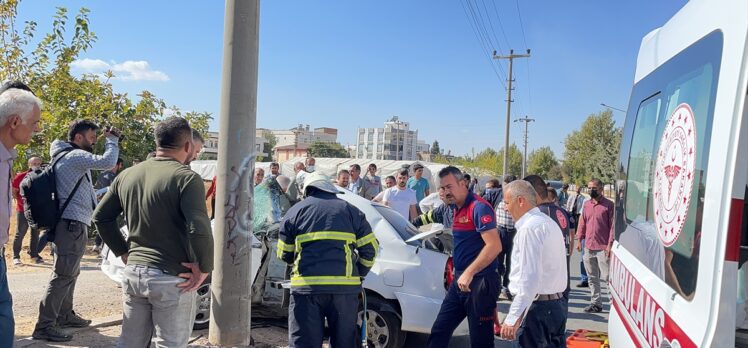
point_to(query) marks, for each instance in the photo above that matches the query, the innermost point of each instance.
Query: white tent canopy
(331, 166)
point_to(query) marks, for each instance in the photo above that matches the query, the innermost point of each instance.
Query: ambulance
(678, 269)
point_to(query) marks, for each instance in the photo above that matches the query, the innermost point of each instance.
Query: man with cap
(331, 247)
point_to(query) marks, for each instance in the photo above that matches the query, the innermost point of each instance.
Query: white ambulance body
(675, 275)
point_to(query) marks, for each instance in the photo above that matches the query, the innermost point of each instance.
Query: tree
(45, 67)
(332, 150)
(270, 142)
(435, 150)
(592, 151)
(541, 161)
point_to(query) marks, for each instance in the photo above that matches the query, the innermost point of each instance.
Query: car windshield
(269, 205)
(403, 227)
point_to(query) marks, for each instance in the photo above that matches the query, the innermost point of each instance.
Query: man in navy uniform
(477, 244)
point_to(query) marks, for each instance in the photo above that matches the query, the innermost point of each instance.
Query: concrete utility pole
(509, 101)
(527, 121)
(230, 313)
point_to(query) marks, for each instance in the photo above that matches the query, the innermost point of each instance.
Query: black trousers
(478, 305)
(544, 325)
(505, 257)
(306, 320)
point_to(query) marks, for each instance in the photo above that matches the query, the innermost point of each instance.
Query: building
(396, 141)
(301, 135)
(210, 148)
(287, 152)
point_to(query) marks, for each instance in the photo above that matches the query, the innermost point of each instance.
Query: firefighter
(331, 247)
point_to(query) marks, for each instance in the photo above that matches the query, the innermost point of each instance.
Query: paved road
(95, 295)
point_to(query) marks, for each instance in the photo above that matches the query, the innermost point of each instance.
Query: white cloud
(91, 65)
(129, 70)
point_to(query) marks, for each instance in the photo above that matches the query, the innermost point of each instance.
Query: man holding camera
(73, 174)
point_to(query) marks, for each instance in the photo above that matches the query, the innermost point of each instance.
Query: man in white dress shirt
(537, 316)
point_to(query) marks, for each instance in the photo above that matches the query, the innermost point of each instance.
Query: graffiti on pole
(238, 215)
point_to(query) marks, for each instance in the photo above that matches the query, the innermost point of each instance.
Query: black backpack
(41, 204)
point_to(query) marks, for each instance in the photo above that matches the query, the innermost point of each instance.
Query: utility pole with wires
(509, 101)
(527, 121)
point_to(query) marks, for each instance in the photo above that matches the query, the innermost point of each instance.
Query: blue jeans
(478, 305)
(155, 306)
(544, 325)
(7, 325)
(582, 270)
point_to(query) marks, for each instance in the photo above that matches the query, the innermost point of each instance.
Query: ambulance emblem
(674, 174)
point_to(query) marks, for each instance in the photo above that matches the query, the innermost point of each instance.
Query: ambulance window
(667, 165)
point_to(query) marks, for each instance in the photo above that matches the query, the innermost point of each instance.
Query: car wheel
(383, 326)
(202, 313)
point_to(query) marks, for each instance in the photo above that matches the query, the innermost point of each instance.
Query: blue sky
(349, 64)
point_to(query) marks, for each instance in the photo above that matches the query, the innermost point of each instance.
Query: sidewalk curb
(96, 324)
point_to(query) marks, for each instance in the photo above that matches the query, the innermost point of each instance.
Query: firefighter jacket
(329, 244)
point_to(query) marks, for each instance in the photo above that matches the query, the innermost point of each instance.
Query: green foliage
(435, 150)
(271, 141)
(592, 151)
(332, 150)
(541, 161)
(488, 161)
(45, 66)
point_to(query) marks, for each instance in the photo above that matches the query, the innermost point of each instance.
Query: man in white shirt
(401, 198)
(537, 316)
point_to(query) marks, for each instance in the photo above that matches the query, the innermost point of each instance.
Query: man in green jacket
(169, 250)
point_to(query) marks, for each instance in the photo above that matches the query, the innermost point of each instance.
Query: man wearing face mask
(22, 225)
(73, 174)
(596, 230)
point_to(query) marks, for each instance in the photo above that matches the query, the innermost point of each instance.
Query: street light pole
(527, 121)
(509, 101)
(230, 313)
(614, 108)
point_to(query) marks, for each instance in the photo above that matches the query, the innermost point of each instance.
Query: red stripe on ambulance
(638, 310)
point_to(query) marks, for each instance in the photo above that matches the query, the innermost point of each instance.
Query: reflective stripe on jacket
(328, 242)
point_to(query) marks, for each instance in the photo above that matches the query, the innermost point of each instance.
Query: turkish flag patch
(486, 219)
(561, 219)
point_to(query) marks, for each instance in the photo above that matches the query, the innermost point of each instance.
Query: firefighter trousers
(306, 320)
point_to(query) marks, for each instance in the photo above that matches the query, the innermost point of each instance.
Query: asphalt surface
(97, 297)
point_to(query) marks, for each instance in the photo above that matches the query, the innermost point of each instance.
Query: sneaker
(73, 320)
(52, 334)
(584, 284)
(593, 308)
(17, 262)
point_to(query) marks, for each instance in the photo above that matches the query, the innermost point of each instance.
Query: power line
(521, 25)
(490, 23)
(482, 44)
(481, 27)
(501, 26)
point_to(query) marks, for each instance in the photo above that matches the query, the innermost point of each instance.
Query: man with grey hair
(20, 113)
(537, 315)
(297, 180)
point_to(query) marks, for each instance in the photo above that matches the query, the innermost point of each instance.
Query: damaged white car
(404, 288)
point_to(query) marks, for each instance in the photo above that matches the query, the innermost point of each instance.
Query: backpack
(41, 204)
